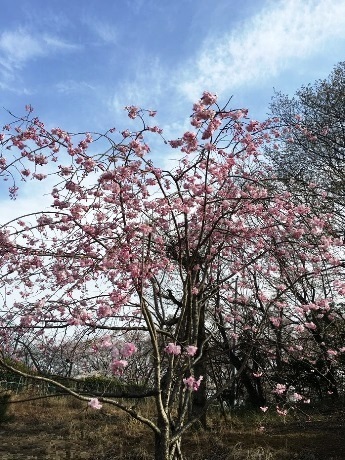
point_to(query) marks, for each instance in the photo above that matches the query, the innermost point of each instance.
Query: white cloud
(107, 32)
(274, 39)
(72, 87)
(14, 89)
(146, 87)
(20, 46)
(58, 44)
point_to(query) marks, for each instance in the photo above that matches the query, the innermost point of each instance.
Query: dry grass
(65, 428)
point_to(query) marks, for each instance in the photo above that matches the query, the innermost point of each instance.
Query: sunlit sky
(78, 63)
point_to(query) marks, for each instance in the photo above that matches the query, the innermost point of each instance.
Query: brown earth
(65, 428)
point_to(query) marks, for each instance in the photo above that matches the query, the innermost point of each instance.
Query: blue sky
(78, 63)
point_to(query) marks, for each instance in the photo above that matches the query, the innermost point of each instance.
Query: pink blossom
(237, 114)
(125, 133)
(118, 366)
(297, 397)
(191, 142)
(282, 412)
(106, 342)
(128, 349)
(192, 384)
(208, 98)
(26, 320)
(155, 129)
(275, 321)
(39, 176)
(176, 143)
(132, 111)
(94, 403)
(25, 172)
(280, 389)
(310, 325)
(173, 349)
(332, 352)
(264, 408)
(104, 311)
(191, 350)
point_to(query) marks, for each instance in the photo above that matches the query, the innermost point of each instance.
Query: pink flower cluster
(191, 350)
(282, 412)
(173, 349)
(190, 142)
(132, 111)
(128, 349)
(118, 366)
(297, 397)
(192, 384)
(94, 403)
(280, 389)
(208, 98)
(275, 321)
(119, 350)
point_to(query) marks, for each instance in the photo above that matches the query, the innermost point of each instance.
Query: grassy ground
(64, 428)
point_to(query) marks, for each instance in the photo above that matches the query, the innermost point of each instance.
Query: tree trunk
(199, 398)
(163, 448)
(162, 451)
(255, 396)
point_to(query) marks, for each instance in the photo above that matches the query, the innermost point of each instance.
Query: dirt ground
(64, 428)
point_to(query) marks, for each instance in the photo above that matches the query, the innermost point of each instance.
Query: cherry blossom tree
(188, 256)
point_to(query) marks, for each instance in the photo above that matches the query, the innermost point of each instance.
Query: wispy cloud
(270, 42)
(17, 47)
(106, 32)
(56, 43)
(135, 5)
(73, 86)
(149, 81)
(14, 89)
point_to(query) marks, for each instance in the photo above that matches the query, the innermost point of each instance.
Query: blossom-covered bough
(205, 260)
